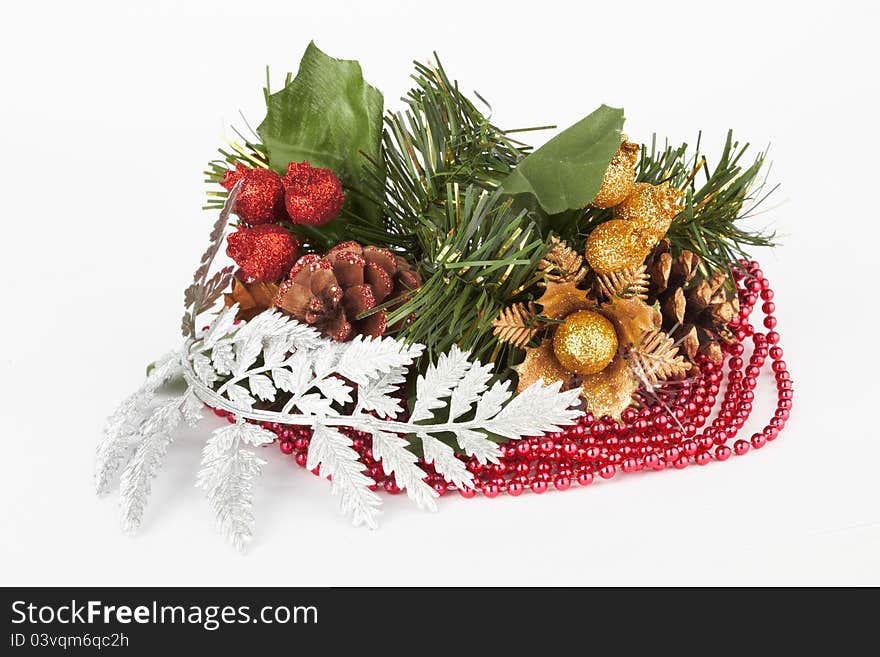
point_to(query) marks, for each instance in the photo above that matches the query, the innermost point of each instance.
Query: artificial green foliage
(440, 138)
(566, 173)
(710, 223)
(469, 205)
(479, 254)
(442, 164)
(329, 116)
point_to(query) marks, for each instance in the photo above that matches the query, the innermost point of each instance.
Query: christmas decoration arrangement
(419, 302)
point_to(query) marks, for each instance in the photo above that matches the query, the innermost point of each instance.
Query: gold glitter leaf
(610, 391)
(562, 264)
(632, 318)
(625, 283)
(561, 299)
(656, 358)
(516, 324)
(540, 364)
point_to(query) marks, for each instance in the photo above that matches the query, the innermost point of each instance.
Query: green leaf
(329, 116)
(566, 172)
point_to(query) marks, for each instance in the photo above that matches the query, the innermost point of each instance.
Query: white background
(108, 117)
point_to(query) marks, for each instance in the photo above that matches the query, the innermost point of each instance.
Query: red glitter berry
(313, 196)
(264, 253)
(232, 176)
(260, 197)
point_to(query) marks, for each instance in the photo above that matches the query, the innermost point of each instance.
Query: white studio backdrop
(109, 114)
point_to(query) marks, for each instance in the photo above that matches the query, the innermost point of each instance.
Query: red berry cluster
(664, 431)
(312, 196)
(260, 198)
(306, 195)
(264, 253)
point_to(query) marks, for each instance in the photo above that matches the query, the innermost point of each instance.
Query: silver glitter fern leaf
(155, 436)
(123, 428)
(274, 359)
(274, 369)
(227, 475)
(331, 451)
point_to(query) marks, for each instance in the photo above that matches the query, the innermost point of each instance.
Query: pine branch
(708, 224)
(478, 256)
(442, 162)
(440, 139)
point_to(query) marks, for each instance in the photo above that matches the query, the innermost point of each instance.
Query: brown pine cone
(695, 309)
(330, 292)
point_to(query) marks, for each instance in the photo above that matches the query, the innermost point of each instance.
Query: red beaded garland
(662, 433)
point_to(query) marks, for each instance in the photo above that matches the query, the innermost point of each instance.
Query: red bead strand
(661, 432)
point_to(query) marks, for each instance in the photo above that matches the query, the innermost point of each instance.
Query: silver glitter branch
(227, 476)
(274, 362)
(273, 357)
(122, 432)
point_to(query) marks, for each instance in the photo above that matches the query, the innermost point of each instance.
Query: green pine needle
(480, 255)
(710, 224)
(440, 139)
(442, 163)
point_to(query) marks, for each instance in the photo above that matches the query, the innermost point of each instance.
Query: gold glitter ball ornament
(617, 244)
(620, 176)
(585, 342)
(651, 207)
